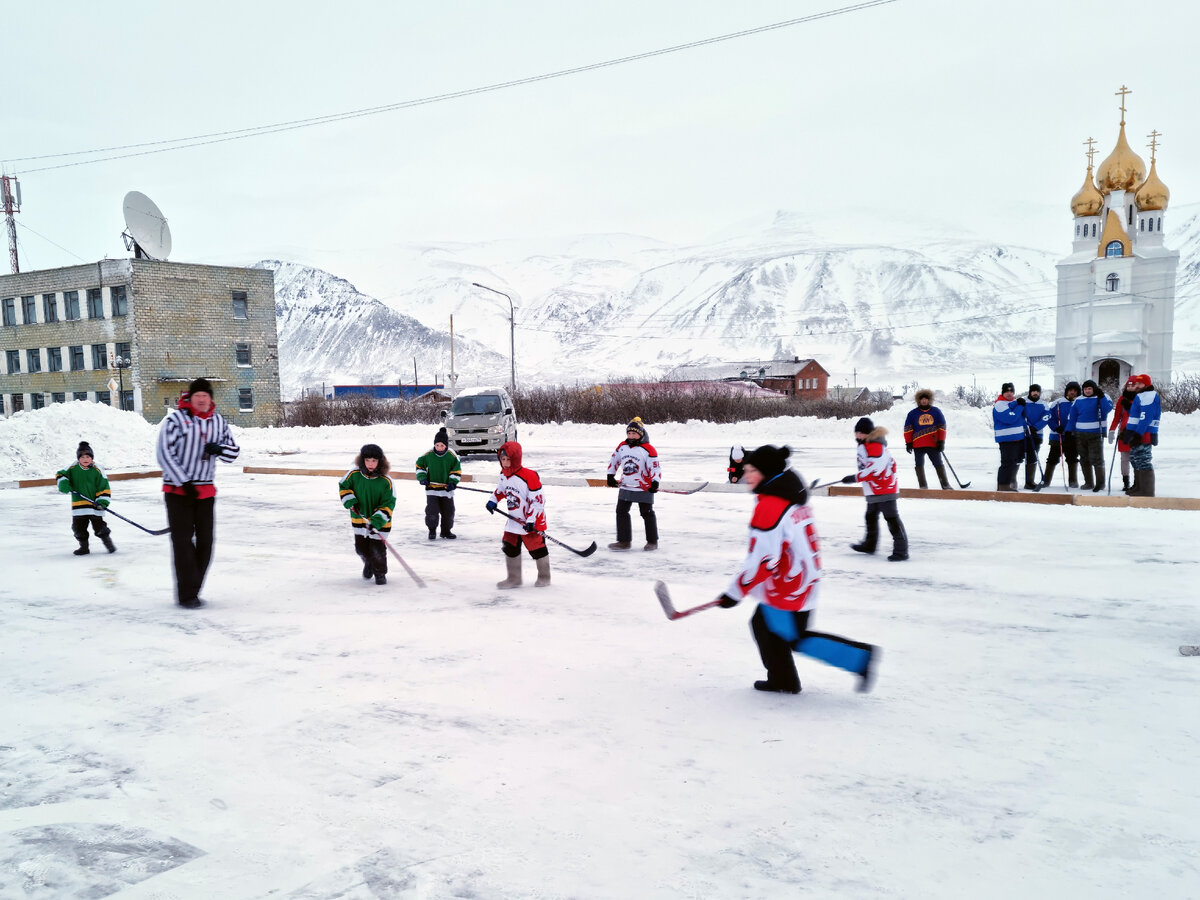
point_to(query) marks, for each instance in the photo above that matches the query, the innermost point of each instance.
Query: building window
(124, 350)
(104, 397)
(54, 359)
(1129, 214)
(1160, 223)
(99, 356)
(239, 305)
(50, 307)
(126, 400)
(37, 400)
(79, 395)
(1151, 225)
(10, 311)
(76, 358)
(1114, 248)
(58, 397)
(13, 361)
(29, 310)
(1076, 232)
(1112, 282)
(1093, 229)
(18, 403)
(242, 352)
(1141, 224)
(245, 399)
(71, 305)
(117, 297)
(34, 358)
(95, 303)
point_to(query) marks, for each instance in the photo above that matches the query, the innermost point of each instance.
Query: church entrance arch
(1110, 376)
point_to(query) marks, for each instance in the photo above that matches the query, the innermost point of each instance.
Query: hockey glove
(728, 602)
(941, 445)
(349, 503)
(530, 527)
(908, 448)
(1020, 401)
(1112, 436)
(491, 506)
(64, 487)
(654, 487)
(189, 490)
(451, 486)
(378, 521)
(612, 481)
(850, 479)
(212, 448)
(102, 503)
(1132, 438)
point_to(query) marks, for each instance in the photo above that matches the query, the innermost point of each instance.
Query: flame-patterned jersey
(521, 495)
(635, 466)
(877, 469)
(783, 566)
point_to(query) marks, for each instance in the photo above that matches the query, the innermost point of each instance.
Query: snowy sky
(309, 735)
(971, 115)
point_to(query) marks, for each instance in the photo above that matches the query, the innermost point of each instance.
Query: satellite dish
(146, 231)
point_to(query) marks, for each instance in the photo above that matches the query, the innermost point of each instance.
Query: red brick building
(803, 378)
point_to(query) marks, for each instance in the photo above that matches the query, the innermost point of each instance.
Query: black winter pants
(79, 525)
(372, 553)
(625, 523)
(1011, 454)
(191, 524)
(439, 507)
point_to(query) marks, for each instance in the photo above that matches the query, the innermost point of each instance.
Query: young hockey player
(636, 461)
(782, 571)
(737, 462)
(367, 492)
(1141, 434)
(925, 435)
(520, 490)
(877, 472)
(439, 471)
(89, 498)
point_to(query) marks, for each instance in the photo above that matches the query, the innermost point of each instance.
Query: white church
(1116, 291)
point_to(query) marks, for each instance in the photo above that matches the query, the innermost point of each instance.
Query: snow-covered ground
(307, 735)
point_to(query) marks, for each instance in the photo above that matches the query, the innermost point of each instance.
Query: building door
(1108, 374)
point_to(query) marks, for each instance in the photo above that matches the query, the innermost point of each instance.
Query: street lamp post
(512, 333)
(122, 363)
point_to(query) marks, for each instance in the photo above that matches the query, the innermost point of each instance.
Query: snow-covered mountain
(331, 333)
(599, 307)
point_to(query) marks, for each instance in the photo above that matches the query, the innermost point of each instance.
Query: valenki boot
(1072, 473)
(543, 570)
(1049, 477)
(1099, 478)
(941, 474)
(921, 482)
(1029, 484)
(513, 565)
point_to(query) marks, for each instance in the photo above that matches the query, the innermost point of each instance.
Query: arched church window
(1114, 248)
(1129, 216)
(1160, 223)
(1093, 229)
(1151, 224)
(1076, 232)
(1112, 282)
(1142, 225)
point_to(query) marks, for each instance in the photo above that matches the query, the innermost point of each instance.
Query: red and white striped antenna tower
(11, 189)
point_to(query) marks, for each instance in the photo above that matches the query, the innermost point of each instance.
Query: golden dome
(1122, 170)
(1089, 200)
(1153, 194)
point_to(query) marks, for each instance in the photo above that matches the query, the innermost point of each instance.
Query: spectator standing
(1118, 426)
(1062, 436)
(1088, 415)
(1036, 417)
(1142, 434)
(1008, 426)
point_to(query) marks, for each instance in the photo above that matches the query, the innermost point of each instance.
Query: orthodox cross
(1090, 143)
(1154, 136)
(1121, 93)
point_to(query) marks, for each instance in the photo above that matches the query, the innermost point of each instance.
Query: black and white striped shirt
(181, 441)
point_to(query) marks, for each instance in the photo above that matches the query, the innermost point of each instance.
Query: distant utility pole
(11, 189)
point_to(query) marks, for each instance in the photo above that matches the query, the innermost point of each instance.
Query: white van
(479, 421)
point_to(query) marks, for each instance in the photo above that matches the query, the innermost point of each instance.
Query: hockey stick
(121, 517)
(664, 597)
(1115, 453)
(392, 550)
(950, 466)
(586, 552)
(698, 487)
(463, 487)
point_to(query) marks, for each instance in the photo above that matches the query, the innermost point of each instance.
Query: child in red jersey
(877, 473)
(520, 490)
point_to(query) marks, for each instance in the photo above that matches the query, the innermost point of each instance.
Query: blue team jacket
(1086, 418)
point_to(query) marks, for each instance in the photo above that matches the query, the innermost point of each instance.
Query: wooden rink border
(50, 482)
(833, 490)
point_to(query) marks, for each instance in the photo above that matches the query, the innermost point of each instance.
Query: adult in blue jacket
(1062, 437)
(1008, 423)
(1036, 417)
(1089, 419)
(1141, 433)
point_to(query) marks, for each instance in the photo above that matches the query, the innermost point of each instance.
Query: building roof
(769, 368)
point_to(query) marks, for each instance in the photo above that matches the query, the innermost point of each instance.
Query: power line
(220, 137)
(47, 240)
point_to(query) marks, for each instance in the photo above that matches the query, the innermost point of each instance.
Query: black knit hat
(200, 384)
(1034, 387)
(441, 437)
(636, 425)
(768, 459)
(1006, 387)
(371, 451)
(84, 449)
(864, 426)
(1073, 386)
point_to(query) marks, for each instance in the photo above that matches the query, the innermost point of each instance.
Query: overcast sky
(967, 114)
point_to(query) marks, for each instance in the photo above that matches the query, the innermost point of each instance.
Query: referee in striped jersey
(192, 438)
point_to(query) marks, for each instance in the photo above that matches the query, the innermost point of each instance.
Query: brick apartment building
(795, 377)
(62, 332)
